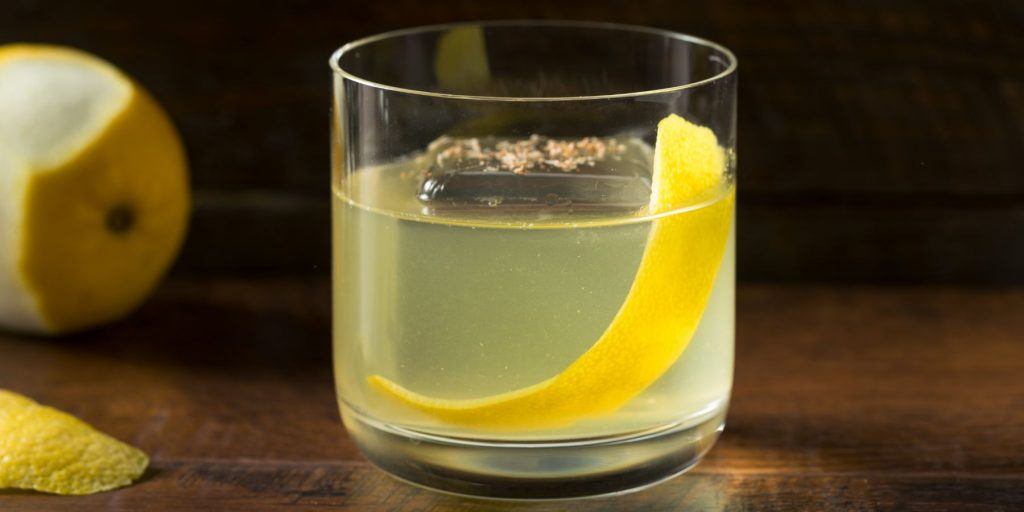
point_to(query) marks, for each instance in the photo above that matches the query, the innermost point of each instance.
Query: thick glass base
(536, 470)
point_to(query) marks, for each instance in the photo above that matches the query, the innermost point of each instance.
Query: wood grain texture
(864, 112)
(845, 399)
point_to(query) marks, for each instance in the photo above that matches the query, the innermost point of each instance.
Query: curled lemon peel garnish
(655, 322)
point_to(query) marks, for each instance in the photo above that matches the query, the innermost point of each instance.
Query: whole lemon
(94, 197)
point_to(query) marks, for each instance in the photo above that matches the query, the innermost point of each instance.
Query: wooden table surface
(845, 399)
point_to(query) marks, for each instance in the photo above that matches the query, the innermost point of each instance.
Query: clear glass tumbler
(533, 254)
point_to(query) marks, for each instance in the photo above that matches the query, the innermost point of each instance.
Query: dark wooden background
(880, 140)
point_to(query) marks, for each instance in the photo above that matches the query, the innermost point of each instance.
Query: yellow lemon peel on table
(655, 322)
(94, 193)
(46, 450)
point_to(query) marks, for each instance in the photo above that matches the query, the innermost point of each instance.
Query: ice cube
(589, 173)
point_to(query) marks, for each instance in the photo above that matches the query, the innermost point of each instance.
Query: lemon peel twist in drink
(656, 321)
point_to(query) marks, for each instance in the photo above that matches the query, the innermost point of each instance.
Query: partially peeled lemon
(93, 190)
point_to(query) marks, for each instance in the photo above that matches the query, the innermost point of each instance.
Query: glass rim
(732, 61)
